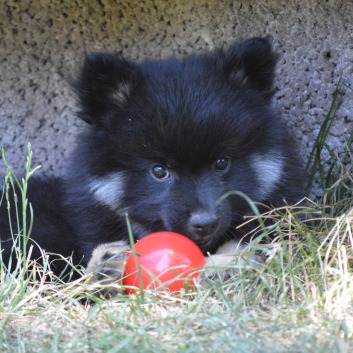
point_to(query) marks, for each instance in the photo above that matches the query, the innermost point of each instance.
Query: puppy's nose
(203, 223)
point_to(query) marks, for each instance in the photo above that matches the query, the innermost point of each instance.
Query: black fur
(165, 140)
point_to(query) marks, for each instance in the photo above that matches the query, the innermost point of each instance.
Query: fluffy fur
(165, 139)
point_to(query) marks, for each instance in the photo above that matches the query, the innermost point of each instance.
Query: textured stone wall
(42, 44)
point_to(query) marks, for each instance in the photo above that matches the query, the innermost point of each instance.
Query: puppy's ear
(106, 82)
(252, 63)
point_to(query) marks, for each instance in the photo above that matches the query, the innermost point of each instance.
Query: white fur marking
(108, 190)
(122, 92)
(269, 169)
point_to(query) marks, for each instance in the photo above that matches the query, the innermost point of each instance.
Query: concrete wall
(42, 44)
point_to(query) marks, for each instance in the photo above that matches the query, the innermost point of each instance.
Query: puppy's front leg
(107, 265)
(227, 261)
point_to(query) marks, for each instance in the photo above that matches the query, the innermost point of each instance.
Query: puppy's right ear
(252, 63)
(105, 83)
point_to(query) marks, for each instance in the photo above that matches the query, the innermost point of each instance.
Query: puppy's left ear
(252, 63)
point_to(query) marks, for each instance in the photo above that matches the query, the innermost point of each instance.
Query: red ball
(163, 261)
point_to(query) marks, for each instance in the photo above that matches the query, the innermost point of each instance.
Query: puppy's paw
(226, 262)
(107, 266)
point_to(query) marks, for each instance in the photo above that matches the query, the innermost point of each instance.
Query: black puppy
(165, 139)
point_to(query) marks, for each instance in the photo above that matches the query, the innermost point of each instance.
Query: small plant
(21, 206)
(315, 164)
(20, 218)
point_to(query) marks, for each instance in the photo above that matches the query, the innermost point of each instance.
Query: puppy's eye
(160, 172)
(222, 164)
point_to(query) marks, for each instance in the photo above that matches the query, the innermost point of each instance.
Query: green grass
(298, 299)
(315, 164)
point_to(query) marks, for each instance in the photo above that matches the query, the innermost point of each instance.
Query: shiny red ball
(163, 261)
